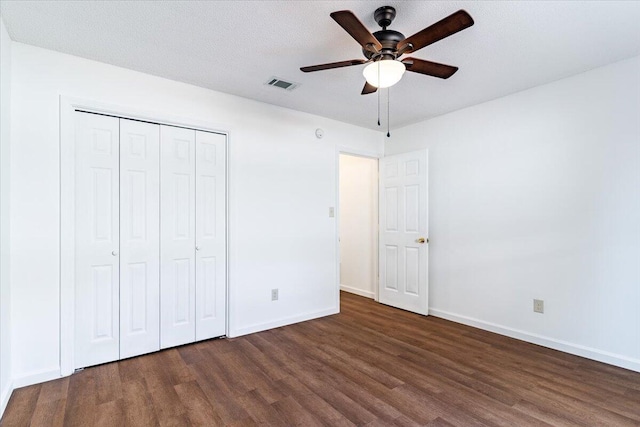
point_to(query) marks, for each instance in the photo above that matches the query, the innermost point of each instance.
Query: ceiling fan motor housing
(389, 39)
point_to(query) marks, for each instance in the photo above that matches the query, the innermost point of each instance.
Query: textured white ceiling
(235, 46)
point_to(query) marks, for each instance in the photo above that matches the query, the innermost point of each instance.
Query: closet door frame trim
(68, 106)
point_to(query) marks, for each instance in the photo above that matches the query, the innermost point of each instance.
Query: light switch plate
(332, 212)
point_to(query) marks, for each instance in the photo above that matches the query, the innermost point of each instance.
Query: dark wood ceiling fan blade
(429, 68)
(368, 89)
(450, 25)
(333, 65)
(356, 29)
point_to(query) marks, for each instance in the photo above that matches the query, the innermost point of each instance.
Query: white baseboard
(36, 378)
(281, 322)
(567, 347)
(357, 291)
(5, 395)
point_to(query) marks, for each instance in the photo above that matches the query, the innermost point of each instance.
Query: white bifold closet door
(178, 234)
(193, 242)
(210, 235)
(139, 238)
(117, 239)
(97, 299)
(150, 237)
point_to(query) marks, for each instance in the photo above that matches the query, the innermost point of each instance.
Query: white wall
(537, 195)
(282, 182)
(5, 289)
(358, 224)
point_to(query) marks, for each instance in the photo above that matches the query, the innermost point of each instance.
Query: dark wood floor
(370, 365)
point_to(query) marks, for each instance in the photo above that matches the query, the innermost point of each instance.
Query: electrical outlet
(332, 212)
(274, 295)
(538, 306)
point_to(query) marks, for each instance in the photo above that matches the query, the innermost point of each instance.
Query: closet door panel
(139, 238)
(96, 240)
(210, 235)
(177, 236)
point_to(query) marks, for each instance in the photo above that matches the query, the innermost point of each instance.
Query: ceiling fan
(384, 48)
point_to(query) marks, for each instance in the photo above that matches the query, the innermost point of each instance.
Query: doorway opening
(358, 225)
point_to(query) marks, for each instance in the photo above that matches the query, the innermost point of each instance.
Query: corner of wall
(5, 395)
(6, 382)
(251, 329)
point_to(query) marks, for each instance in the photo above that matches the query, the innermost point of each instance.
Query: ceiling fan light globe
(390, 72)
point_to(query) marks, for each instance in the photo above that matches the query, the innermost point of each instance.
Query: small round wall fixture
(319, 133)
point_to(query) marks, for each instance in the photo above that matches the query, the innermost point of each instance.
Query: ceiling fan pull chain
(388, 103)
(378, 96)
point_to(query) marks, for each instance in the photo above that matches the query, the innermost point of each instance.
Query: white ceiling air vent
(282, 84)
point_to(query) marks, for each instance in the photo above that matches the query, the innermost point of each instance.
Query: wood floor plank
(109, 414)
(108, 384)
(293, 414)
(315, 404)
(199, 410)
(440, 422)
(404, 421)
(168, 407)
(229, 370)
(53, 390)
(251, 375)
(246, 422)
(260, 410)
(138, 406)
(190, 354)
(271, 367)
(221, 398)
(21, 406)
(50, 407)
(336, 398)
(133, 368)
(81, 399)
(545, 415)
(371, 365)
(49, 413)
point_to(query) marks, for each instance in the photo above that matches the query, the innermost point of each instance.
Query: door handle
(197, 248)
(114, 253)
(422, 240)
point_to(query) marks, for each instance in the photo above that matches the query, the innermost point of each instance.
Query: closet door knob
(114, 253)
(197, 248)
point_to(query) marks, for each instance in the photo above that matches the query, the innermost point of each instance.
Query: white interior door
(210, 235)
(97, 240)
(177, 231)
(139, 238)
(404, 231)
